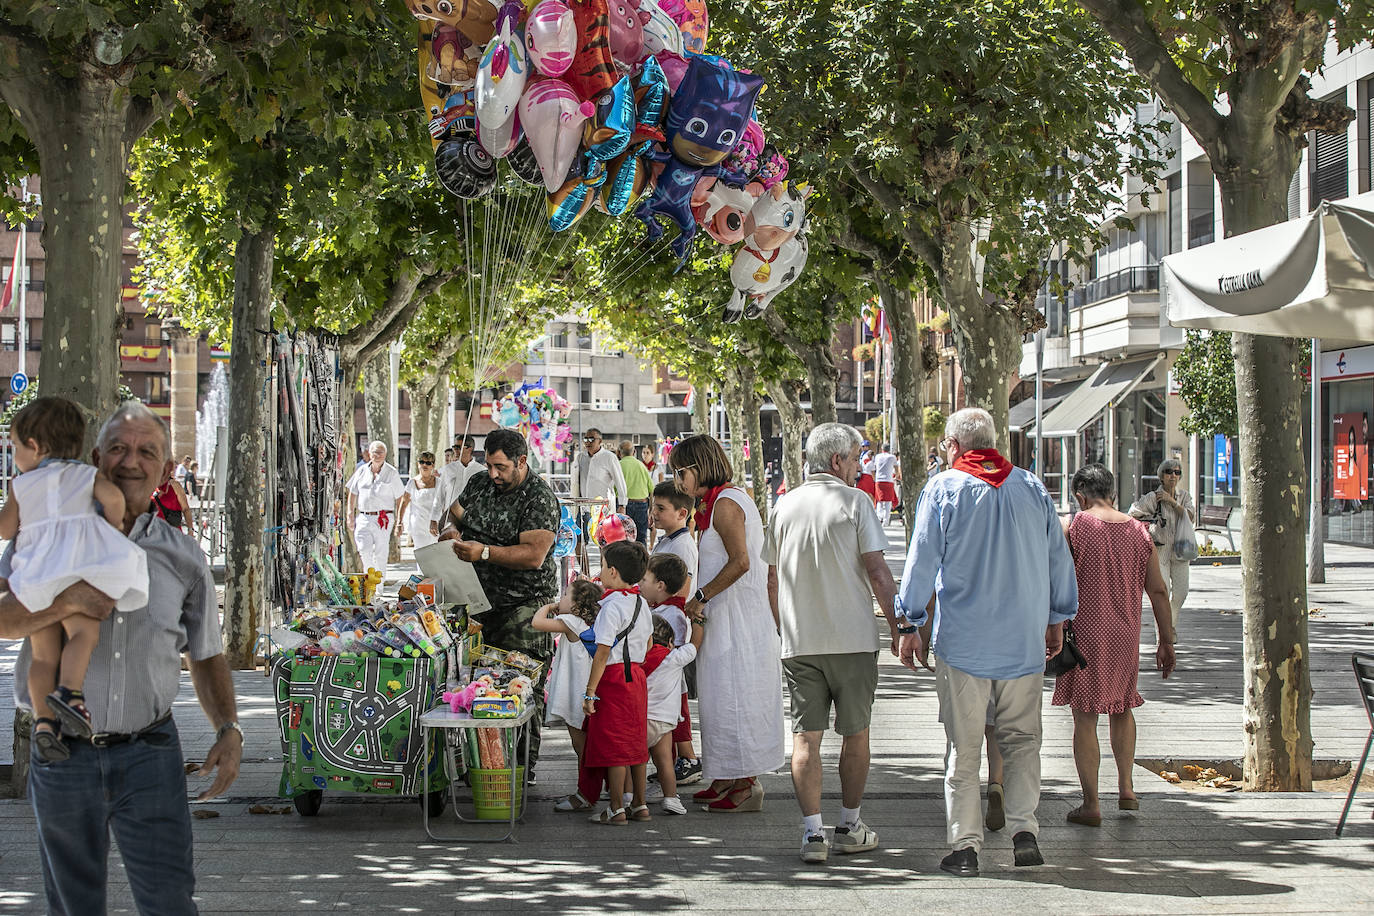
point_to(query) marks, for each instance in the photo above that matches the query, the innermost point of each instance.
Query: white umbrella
(1307, 277)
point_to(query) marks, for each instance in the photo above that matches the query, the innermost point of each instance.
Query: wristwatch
(700, 597)
(486, 552)
(906, 629)
(230, 727)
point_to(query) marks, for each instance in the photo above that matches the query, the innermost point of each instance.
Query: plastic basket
(491, 793)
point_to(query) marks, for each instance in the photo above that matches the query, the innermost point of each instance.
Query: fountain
(212, 415)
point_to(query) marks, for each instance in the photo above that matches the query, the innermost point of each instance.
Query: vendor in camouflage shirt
(506, 522)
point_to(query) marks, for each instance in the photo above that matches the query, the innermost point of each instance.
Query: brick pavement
(1182, 853)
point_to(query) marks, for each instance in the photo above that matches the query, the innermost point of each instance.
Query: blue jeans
(639, 512)
(136, 790)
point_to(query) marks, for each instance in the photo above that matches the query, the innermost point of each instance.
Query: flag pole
(23, 281)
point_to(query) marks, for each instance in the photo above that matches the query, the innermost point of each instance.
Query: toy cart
(352, 724)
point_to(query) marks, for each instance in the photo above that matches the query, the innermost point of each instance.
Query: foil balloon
(627, 23)
(464, 168)
(607, 134)
(721, 210)
(551, 37)
(661, 32)
(502, 73)
(616, 528)
(552, 116)
(523, 164)
(501, 139)
(706, 118)
(474, 18)
(593, 70)
(774, 251)
(571, 202)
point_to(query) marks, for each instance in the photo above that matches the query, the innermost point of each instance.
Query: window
(28, 271)
(9, 336)
(152, 333)
(159, 392)
(606, 396)
(1295, 196)
(584, 392)
(1329, 162)
(1175, 212)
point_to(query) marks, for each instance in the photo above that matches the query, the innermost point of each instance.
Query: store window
(1346, 477)
(1220, 471)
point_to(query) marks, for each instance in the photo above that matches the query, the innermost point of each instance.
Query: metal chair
(1364, 677)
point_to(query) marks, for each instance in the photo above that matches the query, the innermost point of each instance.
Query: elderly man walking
(988, 544)
(128, 779)
(824, 551)
(374, 495)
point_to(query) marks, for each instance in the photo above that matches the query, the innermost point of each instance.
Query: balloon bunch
(613, 104)
(541, 415)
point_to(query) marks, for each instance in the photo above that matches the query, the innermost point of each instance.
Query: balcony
(1130, 280)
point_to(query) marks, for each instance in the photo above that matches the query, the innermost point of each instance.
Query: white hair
(826, 441)
(376, 443)
(972, 428)
(137, 412)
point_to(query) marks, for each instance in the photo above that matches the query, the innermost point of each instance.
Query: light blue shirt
(999, 565)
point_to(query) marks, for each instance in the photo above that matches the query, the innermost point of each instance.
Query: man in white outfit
(885, 482)
(374, 495)
(598, 476)
(453, 478)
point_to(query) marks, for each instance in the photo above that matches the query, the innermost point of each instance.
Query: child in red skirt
(617, 698)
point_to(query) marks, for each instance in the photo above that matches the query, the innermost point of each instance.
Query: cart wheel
(436, 802)
(308, 803)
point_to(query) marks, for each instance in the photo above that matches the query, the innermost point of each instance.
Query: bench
(1215, 520)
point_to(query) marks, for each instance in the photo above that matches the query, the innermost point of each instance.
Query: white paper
(438, 561)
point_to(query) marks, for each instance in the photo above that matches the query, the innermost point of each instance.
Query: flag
(7, 296)
(690, 399)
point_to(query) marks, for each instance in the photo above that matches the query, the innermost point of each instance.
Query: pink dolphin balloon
(551, 37)
(552, 116)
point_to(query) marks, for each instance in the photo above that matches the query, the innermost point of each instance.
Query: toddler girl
(53, 516)
(570, 618)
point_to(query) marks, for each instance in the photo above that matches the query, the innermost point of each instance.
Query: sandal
(1128, 804)
(571, 804)
(607, 817)
(711, 794)
(1076, 816)
(640, 813)
(70, 706)
(49, 741)
(727, 804)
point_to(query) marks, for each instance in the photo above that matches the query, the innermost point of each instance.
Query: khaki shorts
(817, 681)
(658, 729)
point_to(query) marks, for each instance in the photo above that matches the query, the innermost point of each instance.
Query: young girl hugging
(571, 619)
(664, 665)
(54, 516)
(616, 699)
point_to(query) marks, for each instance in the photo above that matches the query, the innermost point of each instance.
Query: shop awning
(1021, 417)
(1112, 381)
(1307, 277)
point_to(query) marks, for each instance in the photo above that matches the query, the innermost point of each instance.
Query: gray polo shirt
(135, 672)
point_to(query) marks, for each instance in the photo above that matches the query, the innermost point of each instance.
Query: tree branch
(885, 196)
(402, 315)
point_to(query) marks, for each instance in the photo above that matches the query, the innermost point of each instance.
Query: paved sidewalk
(1181, 853)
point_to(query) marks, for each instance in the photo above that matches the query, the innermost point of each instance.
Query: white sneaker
(673, 805)
(814, 848)
(653, 792)
(857, 838)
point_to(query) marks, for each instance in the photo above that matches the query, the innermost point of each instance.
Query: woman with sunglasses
(1169, 512)
(418, 504)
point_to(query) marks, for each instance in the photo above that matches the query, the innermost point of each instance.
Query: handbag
(1069, 657)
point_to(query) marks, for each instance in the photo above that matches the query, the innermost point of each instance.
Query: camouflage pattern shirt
(498, 518)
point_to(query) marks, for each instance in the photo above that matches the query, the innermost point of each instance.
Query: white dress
(419, 511)
(62, 541)
(572, 665)
(739, 666)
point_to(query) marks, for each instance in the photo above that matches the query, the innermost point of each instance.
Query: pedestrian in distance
(1168, 510)
(824, 551)
(453, 479)
(128, 778)
(1114, 561)
(638, 487)
(987, 541)
(596, 475)
(420, 502)
(374, 495)
(739, 667)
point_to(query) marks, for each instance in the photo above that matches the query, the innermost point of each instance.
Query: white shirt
(677, 620)
(180, 473)
(681, 546)
(598, 476)
(376, 492)
(666, 684)
(884, 467)
(817, 536)
(452, 479)
(616, 611)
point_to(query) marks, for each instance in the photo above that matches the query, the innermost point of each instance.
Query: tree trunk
(439, 417)
(1269, 388)
(908, 389)
(786, 394)
(377, 402)
(754, 427)
(987, 338)
(419, 422)
(822, 378)
(732, 394)
(245, 586)
(701, 409)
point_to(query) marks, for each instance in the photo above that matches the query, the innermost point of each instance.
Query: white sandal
(640, 813)
(571, 804)
(607, 817)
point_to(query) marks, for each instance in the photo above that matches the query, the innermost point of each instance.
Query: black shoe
(1027, 850)
(962, 862)
(688, 772)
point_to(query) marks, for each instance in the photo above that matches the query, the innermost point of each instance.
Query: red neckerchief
(383, 518)
(653, 658)
(708, 502)
(632, 590)
(676, 601)
(650, 465)
(987, 464)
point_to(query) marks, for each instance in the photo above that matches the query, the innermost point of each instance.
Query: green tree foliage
(1205, 374)
(934, 423)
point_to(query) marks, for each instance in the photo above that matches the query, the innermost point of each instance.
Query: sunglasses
(1173, 474)
(947, 442)
(427, 463)
(590, 439)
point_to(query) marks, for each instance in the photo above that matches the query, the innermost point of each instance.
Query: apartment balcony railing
(1130, 280)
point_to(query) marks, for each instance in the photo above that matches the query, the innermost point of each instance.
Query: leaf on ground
(1170, 776)
(203, 813)
(269, 809)
(1190, 771)
(191, 767)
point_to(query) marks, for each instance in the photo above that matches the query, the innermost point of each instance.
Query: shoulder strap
(625, 643)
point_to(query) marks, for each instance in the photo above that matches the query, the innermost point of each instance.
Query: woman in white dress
(739, 667)
(417, 505)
